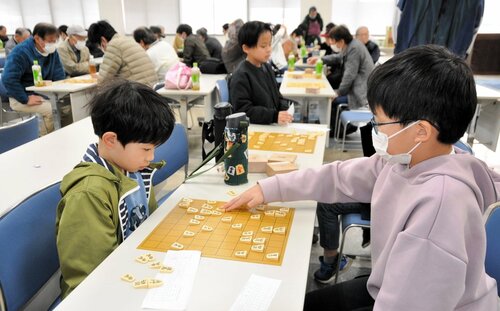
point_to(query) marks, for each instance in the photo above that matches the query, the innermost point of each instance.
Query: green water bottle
(195, 77)
(236, 133)
(303, 54)
(319, 68)
(291, 62)
(37, 74)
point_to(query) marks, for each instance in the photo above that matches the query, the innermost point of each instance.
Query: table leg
(183, 111)
(471, 131)
(55, 111)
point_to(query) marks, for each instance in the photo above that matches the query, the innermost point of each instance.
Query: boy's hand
(312, 60)
(251, 198)
(284, 117)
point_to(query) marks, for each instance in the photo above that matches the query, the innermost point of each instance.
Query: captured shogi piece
(283, 142)
(259, 236)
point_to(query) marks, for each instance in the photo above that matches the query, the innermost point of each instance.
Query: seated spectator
(253, 88)
(3, 34)
(195, 50)
(73, 52)
(232, 54)
(61, 34)
(363, 35)
(178, 44)
(357, 65)
(213, 45)
(159, 32)
(326, 44)
(18, 75)
(123, 57)
(161, 54)
(20, 35)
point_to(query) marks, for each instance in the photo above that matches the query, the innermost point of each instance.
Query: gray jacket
(357, 65)
(10, 45)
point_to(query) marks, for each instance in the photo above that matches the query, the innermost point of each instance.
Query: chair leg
(345, 130)
(339, 255)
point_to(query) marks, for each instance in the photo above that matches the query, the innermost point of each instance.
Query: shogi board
(305, 84)
(283, 142)
(224, 241)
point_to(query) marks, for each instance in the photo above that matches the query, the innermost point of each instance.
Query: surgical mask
(381, 143)
(335, 48)
(50, 48)
(79, 45)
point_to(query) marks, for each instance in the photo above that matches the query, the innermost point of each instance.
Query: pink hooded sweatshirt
(428, 238)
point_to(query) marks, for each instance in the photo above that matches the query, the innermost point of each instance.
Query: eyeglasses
(375, 125)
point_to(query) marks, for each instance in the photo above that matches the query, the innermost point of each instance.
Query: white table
(42, 162)
(485, 125)
(79, 98)
(207, 91)
(218, 282)
(323, 98)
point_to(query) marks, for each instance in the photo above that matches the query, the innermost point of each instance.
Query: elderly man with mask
(18, 74)
(20, 35)
(74, 53)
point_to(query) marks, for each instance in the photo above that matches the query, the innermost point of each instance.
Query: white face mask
(335, 48)
(50, 48)
(381, 143)
(79, 45)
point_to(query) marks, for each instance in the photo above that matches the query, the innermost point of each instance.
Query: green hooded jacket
(88, 222)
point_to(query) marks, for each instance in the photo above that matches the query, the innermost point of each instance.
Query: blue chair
(492, 262)
(464, 147)
(175, 151)
(12, 136)
(28, 247)
(349, 221)
(354, 117)
(222, 90)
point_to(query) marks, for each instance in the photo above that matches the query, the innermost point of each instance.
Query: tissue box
(274, 168)
(283, 157)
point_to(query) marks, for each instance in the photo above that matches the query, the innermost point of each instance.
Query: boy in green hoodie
(109, 194)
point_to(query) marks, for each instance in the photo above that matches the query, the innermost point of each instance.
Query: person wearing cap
(213, 45)
(74, 53)
(312, 25)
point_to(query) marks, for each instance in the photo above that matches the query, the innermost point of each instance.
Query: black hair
(62, 29)
(134, 111)
(250, 32)
(276, 28)
(313, 8)
(426, 83)
(145, 34)
(297, 32)
(225, 26)
(2, 27)
(184, 28)
(157, 31)
(329, 27)
(100, 29)
(340, 32)
(44, 29)
(202, 32)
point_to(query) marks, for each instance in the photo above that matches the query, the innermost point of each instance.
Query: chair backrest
(492, 262)
(28, 247)
(222, 90)
(19, 133)
(158, 86)
(175, 151)
(464, 147)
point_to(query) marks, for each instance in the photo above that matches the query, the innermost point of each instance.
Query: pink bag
(178, 77)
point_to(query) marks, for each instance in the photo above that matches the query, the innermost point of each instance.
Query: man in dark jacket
(213, 45)
(363, 36)
(195, 50)
(313, 25)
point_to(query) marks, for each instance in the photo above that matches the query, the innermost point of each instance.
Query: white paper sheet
(291, 109)
(257, 294)
(177, 286)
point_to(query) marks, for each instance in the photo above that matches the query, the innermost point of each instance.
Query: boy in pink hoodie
(427, 198)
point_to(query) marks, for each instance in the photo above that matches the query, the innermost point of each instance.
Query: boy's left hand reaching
(250, 199)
